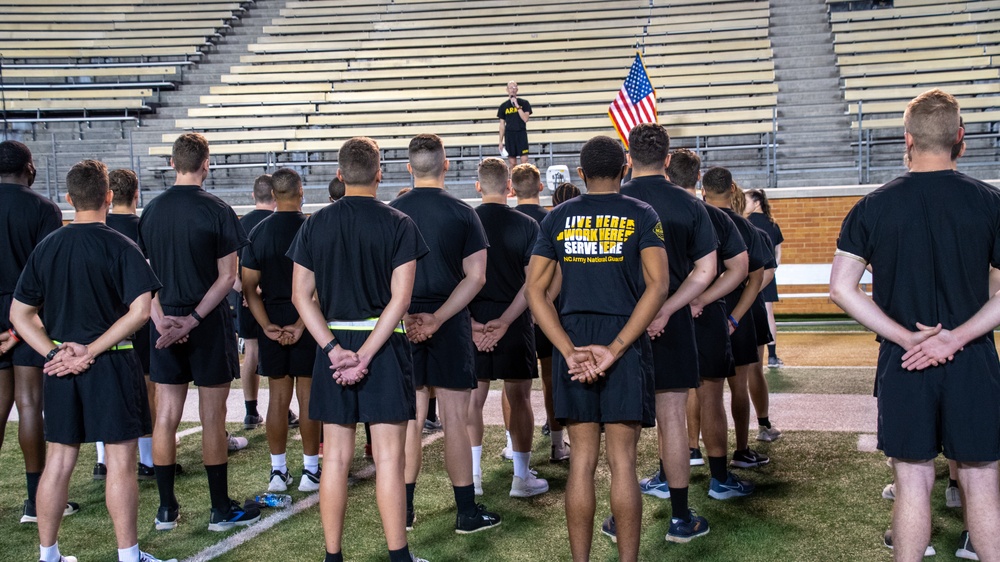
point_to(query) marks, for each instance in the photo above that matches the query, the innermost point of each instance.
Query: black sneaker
(100, 471)
(682, 531)
(965, 550)
(234, 516)
(608, 528)
(252, 421)
(29, 515)
(293, 420)
(411, 518)
(748, 459)
(476, 521)
(929, 551)
(166, 518)
(546, 430)
(696, 458)
(144, 472)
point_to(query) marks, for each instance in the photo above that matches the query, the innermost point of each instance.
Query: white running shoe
(951, 497)
(310, 480)
(236, 443)
(889, 492)
(147, 557)
(768, 434)
(279, 482)
(507, 454)
(528, 487)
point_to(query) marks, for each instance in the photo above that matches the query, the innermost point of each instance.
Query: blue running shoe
(684, 531)
(608, 528)
(655, 486)
(234, 516)
(731, 488)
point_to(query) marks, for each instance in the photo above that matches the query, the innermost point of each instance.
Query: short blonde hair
(932, 120)
(526, 180)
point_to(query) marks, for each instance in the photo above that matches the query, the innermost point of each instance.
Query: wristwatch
(329, 347)
(52, 354)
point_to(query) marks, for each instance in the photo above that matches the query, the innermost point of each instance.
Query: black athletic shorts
(246, 325)
(516, 142)
(276, 360)
(106, 403)
(543, 347)
(514, 356)
(208, 358)
(446, 360)
(385, 395)
(760, 326)
(770, 292)
(744, 341)
(951, 408)
(141, 342)
(675, 354)
(715, 352)
(626, 391)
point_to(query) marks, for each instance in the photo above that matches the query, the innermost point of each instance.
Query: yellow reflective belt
(120, 346)
(360, 325)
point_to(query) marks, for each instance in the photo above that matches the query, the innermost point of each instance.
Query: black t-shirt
(107, 272)
(452, 232)
(930, 238)
(689, 235)
(25, 218)
(183, 232)
(269, 244)
(765, 239)
(353, 246)
(512, 237)
(730, 242)
(512, 119)
(533, 210)
(125, 224)
(772, 229)
(253, 218)
(597, 241)
(755, 247)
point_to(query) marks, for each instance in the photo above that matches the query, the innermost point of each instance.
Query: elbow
(228, 278)
(837, 294)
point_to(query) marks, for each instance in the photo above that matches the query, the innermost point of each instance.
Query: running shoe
(748, 459)
(411, 518)
(528, 487)
(166, 518)
(252, 421)
(236, 443)
(608, 528)
(147, 557)
(64, 559)
(929, 551)
(559, 454)
(768, 434)
(29, 515)
(310, 480)
(696, 458)
(507, 454)
(682, 531)
(234, 516)
(951, 497)
(476, 521)
(293, 420)
(731, 488)
(775, 362)
(965, 550)
(100, 471)
(546, 430)
(432, 426)
(279, 481)
(655, 486)
(889, 492)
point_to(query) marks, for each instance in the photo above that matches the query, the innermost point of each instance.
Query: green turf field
(818, 500)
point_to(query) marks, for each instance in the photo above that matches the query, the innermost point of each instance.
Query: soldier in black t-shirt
(514, 114)
(614, 280)
(691, 254)
(526, 182)
(191, 239)
(359, 257)
(758, 210)
(287, 351)
(719, 188)
(447, 280)
(706, 408)
(757, 381)
(94, 389)
(931, 237)
(502, 329)
(25, 219)
(246, 326)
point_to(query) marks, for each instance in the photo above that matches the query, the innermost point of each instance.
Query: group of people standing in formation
(642, 300)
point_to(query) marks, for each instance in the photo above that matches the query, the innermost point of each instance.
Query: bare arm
(303, 287)
(541, 274)
(29, 327)
(736, 271)
(748, 295)
(251, 281)
(503, 129)
(474, 267)
(694, 284)
(175, 328)
(768, 277)
(777, 254)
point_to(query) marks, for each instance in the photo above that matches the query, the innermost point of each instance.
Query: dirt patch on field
(828, 349)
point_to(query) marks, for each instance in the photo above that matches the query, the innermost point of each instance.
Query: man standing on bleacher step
(514, 114)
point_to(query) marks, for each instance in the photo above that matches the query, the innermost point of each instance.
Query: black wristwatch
(196, 316)
(329, 347)
(52, 354)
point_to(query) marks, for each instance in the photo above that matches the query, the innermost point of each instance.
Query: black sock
(165, 475)
(771, 350)
(663, 475)
(401, 555)
(952, 483)
(368, 433)
(764, 422)
(465, 499)
(251, 407)
(410, 488)
(717, 466)
(32, 478)
(432, 411)
(339, 557)
(218, 485)
(679, 503)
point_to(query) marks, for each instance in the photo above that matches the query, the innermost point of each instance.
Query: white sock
(146, 451)
(49, 553)
(129, 554)
(477, 461)
(510, 444)
(521, 462)
(100, 452)
(278, 463)
(310, 463)
(557, 438)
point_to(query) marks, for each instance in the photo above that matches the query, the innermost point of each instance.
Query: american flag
(635, 103)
